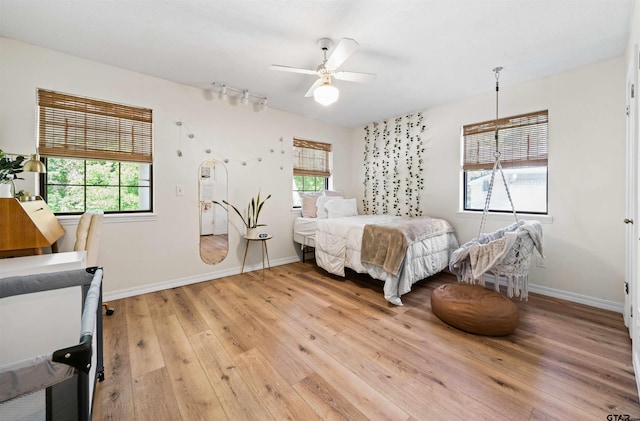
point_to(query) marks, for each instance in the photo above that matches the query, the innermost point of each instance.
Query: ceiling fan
(322, 90)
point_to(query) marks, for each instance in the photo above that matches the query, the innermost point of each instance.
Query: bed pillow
(309, 209)
(341, 207)
(320, 204)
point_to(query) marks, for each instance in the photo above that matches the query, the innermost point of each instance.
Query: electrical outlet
(179, 190)
(541, 262)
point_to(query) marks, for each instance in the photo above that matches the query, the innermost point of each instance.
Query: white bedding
(304, 231)
(338, 241)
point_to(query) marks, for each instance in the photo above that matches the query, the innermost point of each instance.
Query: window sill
(70, 220)
(543, 219)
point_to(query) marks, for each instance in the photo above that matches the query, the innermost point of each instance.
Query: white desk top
(42, 263)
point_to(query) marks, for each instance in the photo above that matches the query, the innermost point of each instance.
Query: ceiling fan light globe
(326, 94)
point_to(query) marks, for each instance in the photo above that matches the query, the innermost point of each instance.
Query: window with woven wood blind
(522, 142)
(72, 126)
(311, 168)
(98, 154)
(523, 147)
(311, 158)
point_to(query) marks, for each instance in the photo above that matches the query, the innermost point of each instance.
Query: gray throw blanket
(489, 254)
(386, 245)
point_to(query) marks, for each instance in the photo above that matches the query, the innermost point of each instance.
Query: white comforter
(338, 242)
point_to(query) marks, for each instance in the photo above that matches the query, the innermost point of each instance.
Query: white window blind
(311, 158)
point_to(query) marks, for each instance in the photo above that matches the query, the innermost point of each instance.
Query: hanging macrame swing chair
(506, 253)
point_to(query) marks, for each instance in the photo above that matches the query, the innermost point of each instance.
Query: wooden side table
(265, 252)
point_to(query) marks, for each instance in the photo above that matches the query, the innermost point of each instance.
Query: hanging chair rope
(497, 166)
(506, 253)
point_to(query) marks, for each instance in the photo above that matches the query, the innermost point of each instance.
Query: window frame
(521, 154)
(79, 128)
(317, 162)
(45, 184)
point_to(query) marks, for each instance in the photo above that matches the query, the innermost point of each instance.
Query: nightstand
(265, 252)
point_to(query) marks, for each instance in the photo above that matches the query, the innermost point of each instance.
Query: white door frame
(632, 255)
(631, 216)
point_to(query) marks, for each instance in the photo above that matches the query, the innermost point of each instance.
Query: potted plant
(250, 219)
(9, 170)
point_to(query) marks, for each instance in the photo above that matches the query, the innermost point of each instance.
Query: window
(98, 154)
(311, 168)
(522, 143)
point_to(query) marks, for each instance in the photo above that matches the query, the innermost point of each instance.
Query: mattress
(304, 231)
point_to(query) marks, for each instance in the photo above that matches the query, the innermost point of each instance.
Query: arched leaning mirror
(214, 242)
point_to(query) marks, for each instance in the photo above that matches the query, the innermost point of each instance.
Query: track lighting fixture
(241, 95)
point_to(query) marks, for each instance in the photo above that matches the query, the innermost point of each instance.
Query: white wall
(584, 243)
(634, 33)
(158, 252)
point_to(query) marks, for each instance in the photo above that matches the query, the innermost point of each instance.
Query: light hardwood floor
(300, 344)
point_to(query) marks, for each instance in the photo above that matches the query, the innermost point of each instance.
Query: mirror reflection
(214, 242)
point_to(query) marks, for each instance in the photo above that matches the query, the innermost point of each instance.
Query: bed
(338, 243)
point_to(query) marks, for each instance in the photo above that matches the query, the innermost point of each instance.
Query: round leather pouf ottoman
(475, 309)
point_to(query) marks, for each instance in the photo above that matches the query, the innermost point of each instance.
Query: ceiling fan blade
(342, 52)
(354, 76)
(313, 87)
(292, 69)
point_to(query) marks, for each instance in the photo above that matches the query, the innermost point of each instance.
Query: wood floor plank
(416, 398)
(294, 342)
(362, 395)
(114, 398)
(154, 397)
(327, 401)
(190, 319)
(230, 335)
(195, 396)
(233, 392)
(280, 398)
(144, 349)
(257, 318)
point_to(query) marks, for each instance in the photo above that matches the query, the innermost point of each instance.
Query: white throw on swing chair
(506, 253)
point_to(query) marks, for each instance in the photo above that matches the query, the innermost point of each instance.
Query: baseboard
(578, 298)
(569, 296)
(173, 283)
(538, 289)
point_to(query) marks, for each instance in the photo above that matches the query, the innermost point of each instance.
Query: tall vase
(8, 189)
(252, 232)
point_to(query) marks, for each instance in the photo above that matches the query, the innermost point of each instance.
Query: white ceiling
(423, 52)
